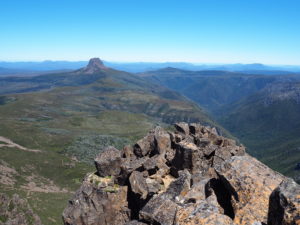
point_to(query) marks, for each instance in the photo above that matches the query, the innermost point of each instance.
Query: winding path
(10, 144)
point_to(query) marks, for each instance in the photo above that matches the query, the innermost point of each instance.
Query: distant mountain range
(136, 67)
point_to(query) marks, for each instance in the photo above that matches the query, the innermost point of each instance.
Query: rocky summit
(189, 176)
(95, 65)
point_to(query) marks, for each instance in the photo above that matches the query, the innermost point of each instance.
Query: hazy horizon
(150, 62)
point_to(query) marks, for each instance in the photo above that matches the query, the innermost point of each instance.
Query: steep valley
(268, 124)
(262, 111)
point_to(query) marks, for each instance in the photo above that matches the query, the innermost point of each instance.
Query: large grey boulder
(108, 162)
(284, 206)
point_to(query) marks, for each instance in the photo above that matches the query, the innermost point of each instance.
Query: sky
(197, 31)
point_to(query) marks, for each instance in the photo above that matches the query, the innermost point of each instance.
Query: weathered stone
(154, 163)
(195, 128)
(238, 150)
(108, 162)
(153, 186)
(249, 183)
(202, 142)
(201, 213)
(188, 156)
(182, 128)
(138, 184)
(127, 152)
(210, 150)
(180, 186)
(144, 146)
(159, 210)
(127, 166)
(198, 192)
(284, 207)
(221, 155)
(97, 206)
(170, 152)
(162, 140)
(192, 176)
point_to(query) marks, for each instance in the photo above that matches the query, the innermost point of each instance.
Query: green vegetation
(73, 121)
(3, 218)
(51, 172)
(270, 129)
(210, 89)
(87, 147)
(11, 206)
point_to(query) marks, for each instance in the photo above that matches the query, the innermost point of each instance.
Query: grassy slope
(77, 120)
(46, 165)
(271, 132)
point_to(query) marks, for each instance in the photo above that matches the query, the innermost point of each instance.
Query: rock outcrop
(190, 176)
(284, 208)
(95, 66)
(16, 211)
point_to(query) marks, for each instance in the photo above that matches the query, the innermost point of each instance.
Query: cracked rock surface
(190, 176)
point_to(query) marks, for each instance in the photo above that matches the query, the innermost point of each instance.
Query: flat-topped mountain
(190, 176)
(95, 65)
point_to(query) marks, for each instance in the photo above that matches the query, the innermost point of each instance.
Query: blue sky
(202, 31)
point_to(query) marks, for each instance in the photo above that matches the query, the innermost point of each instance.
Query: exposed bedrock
(190, 176)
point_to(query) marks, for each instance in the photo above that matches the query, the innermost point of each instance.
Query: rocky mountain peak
(95, 65)
(190, 176)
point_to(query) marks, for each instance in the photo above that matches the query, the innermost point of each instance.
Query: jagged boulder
(99, 201)
(249, 184)
(138, 184)
(108, 162)
(190, 176)
(203, 213)
(159, 210)
(284, 207)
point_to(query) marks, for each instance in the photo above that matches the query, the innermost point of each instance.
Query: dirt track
(9, 143)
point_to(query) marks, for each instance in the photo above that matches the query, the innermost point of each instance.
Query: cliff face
(190, 176)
